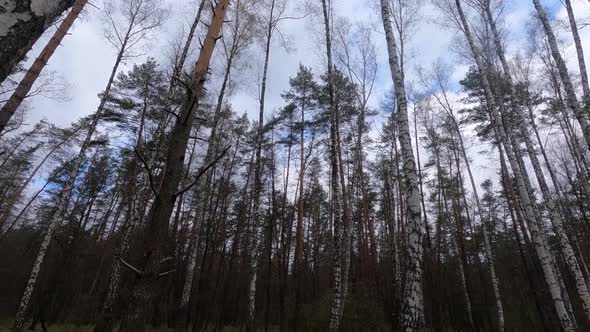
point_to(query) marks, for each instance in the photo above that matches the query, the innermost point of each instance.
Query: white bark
(55, 220)
(580, 54)
(463, 282)
(568, 87)
(62, 205)
(538, 236)
(555, 216)
(22, 22)
(413, 306)
(256, 214)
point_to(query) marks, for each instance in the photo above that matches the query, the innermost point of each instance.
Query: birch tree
(141, 16)
(40, 62)
(23, 22)
(438, 88)
(552, 276)
(273, 16)
(572, 100)
(413, 306)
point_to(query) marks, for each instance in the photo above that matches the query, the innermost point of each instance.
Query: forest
(294, 165)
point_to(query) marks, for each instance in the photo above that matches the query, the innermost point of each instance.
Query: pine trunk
(155, 245)
(38, 65)
(25, 21)
(299, 233)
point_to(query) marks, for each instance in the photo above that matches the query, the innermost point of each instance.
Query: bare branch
(203, 171)
(163, 274)
(149, 171)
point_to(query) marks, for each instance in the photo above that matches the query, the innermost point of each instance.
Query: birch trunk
(421, 182)
(466, 296)
(64, 198)
(538, 237)
(24, 21)
(580, 54)
(413, 306)
(339, 208)
(38, 65)
(487, 244)
(62, 204)
(256, 215)
(556, 217)
(105, 320)
(568, 87)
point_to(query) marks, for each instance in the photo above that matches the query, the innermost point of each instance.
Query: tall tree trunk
(459, 236)
(38, 65)
(105, 320)
(556, 217)
(179, 66)
(421, 182)
(539, 240)
(64, 197)
(203, 187)
(24, 21)
(568, 87)
(339, 208)
(413, 307)
(256, 215)
(300, 213)
(155, 246)
(580, 54)
(488, 249)
(285, 249)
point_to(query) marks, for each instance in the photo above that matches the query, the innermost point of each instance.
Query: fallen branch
(131, 267)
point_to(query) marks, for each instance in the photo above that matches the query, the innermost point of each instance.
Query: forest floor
(6, 326)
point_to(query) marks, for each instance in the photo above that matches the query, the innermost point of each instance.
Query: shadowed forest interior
(423, 166)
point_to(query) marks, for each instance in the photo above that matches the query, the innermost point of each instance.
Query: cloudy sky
(85, 58)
